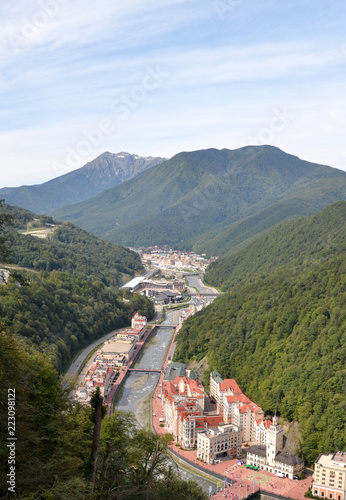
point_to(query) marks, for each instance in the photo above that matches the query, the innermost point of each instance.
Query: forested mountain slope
(200, 199)
(46, 441)
(280, 327)
(104, 172)
(298, 242)
(68, 248)
(74, 298)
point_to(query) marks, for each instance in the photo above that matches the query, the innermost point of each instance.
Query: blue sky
(80, 77)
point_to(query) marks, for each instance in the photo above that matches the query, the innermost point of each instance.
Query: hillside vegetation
(74, 298)
(104, 172)
(69, 248)
(60, 313)
(298, 242)
(280, 327)
(51, 453)
(55, 438)
(211, 200)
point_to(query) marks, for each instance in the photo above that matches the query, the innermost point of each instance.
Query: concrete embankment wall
(118, 385)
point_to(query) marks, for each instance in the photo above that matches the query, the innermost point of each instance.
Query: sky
(80, 77)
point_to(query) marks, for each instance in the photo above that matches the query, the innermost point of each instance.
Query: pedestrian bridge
(143, 370)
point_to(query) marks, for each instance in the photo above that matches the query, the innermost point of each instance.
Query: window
(330, 495)
(322, 493)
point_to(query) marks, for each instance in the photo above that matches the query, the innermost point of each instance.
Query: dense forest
(72, 297)
(53, 450)
(61, 313)
(280, 327)
(46, 317)
(68, 248)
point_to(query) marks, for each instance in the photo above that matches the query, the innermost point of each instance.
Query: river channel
(138, 386)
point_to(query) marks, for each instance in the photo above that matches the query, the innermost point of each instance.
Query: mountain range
(209, 200)
(105, 171)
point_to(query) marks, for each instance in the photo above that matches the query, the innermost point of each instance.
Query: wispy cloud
(225, 77)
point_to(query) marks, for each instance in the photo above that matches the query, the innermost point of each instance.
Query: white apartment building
(271, 458)
(235, 407)
(222, 441)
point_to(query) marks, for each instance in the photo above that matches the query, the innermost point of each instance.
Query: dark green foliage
(280, 328)
(60, 313)
(72, 249)
(320, 236)
(39, 402)
(5, 221)
(54, 440)
(209, 200)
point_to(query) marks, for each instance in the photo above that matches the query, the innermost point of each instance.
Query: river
(138, 387)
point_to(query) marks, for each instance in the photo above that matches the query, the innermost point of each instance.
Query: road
(193, 281)
(196, 282)
(78, 361)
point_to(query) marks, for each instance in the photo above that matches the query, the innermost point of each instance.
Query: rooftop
(286, 458)
(338, 458)
(217, 377)
(174, 370)
(258, 450)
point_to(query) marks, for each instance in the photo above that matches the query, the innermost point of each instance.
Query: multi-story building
(220, 387)
(235, 407)
(99, 376)
(191, 425)
(116, 347)
(139, 322)
(181, 395)
(183, 401)
(261, 428)
(269, 457)
(330, 476)
(222, 441)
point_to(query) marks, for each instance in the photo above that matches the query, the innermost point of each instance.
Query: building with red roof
(235, 407)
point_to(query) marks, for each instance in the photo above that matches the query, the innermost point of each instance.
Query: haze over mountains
(209, 200)
(105, 171)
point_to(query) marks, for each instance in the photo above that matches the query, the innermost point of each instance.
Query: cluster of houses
(218, 426)
(173, 259)
(114, 354)
(196, 304)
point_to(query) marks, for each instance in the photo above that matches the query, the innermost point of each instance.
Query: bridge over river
(143, 370)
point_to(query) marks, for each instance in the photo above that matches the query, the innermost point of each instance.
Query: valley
(267, 313)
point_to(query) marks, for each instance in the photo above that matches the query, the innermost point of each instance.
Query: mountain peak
(104, 172)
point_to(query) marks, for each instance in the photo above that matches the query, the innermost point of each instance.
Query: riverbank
(236, 481)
